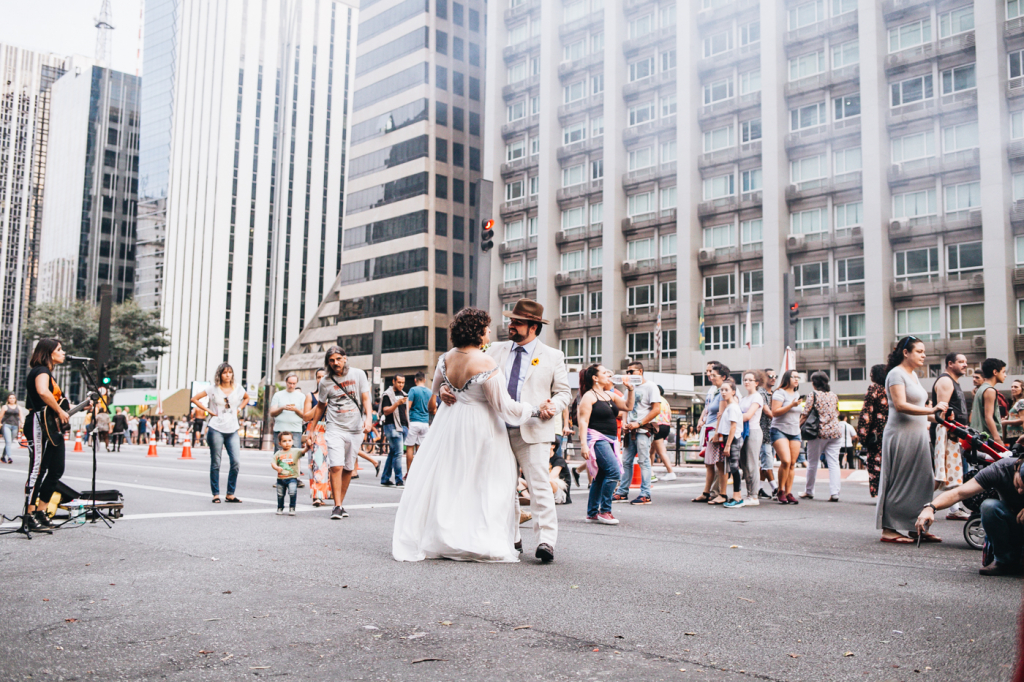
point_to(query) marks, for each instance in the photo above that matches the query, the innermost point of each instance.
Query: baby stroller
(978, 451)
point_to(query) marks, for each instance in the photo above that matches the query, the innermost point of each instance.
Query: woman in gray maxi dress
(906, 478)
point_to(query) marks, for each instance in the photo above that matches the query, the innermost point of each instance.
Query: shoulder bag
(812, 425)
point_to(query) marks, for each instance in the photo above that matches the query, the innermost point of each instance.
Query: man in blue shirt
(421, 405)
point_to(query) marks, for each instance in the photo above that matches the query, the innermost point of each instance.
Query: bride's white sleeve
(438, 380)
(509, 411)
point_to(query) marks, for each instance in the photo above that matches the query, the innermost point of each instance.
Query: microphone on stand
(79, 358)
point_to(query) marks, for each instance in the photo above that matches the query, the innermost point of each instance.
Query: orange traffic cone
(24, 441)
(78, 442)
(152, 449)
(186, 450)
(637, 479)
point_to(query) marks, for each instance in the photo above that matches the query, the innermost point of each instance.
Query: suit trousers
(533, 460)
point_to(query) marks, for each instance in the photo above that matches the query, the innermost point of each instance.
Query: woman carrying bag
(820, 428)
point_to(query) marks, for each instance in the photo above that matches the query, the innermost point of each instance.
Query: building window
(917, 265)
(640, 204)
(644, 158)
(846, 161)
(574, 91)
(912, 90)
(756, 333)
(966, 320)
(641, 346)
(811, 223)
(667, 198)
(458, 265)
(573, 217)
(572, 261)
(963, 259)
(513, 271)
(963, 197)
(597, 213)
(1020, 316)
(668, 295)
(720, 187)
(668, 106)
(960, 137)
(717, 43)
(719, 90)
(513, 190)
(513, 230)
(457, 14)
(959, 20)
(806, 65)
(958, 78)
(596, 260)
(574, 133)
(751, 235)
(812, 332)
(849, 271)
(668, 60)
(641, 69)
(749, 130)
(531, 269)
(750, 81)
(572, 307)
(750, 33)
(720, 337)
(573, 175)
(910, 35)
(847, 106)
(806, 14)
(811, 278)
(751, 180)
(810, 116)
(640, 299)
(846, 54)
(474, 54)
(719, 238)
(752, 282)
(720, 288)
(458, 121)
(573, 350)
(441, 262)
(719, 138)
(668, 247)
(641, 26)
(441, 150)
(474, 159)
(914, 204)
(848, 216)
(668, 151)
(441, 113)
(641, 113)
(640, 250)
(534, 185)
(597, 169)
(594, 344)
(851, 330)
(911, 147)
(596, 304)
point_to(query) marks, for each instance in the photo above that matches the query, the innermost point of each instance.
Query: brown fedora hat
(527, 310)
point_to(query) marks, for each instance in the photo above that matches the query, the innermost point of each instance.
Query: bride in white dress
(460, 502)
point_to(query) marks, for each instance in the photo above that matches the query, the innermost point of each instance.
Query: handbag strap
(348, 395)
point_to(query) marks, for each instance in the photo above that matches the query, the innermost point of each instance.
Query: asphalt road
(181, 589)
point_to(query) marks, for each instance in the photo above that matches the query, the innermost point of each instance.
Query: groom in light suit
(536, 374)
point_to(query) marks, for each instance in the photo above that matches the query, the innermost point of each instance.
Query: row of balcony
(823, 80)
(729, 204)
(633, 179)
(633, 90)
(900, 291)
(512, 53)
(730, 58)
(824, 133)
(905, 229)
(824, 186)
(728, 107)
(933, 165)
(942, 106)
(821, 28)
(729, 155)
(594, 20)
(724, 10)
(953, 45)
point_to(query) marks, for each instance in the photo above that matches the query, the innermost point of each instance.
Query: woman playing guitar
(46, 459)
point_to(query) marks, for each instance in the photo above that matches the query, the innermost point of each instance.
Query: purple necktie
(513, 379)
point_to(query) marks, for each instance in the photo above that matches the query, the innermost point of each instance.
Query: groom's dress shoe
(519, 547)
(545, 552)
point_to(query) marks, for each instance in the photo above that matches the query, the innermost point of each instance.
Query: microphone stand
(95, 512)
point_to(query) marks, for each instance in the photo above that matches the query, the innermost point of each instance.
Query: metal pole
(788, 296)
(378, 349)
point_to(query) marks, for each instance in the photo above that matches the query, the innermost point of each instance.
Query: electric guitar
(53, 427)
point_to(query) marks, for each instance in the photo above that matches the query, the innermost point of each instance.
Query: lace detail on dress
(482, 377)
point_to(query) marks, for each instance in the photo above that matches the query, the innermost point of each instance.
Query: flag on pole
(700, 337)
(748, 328)
(788, 360)
(657, 339)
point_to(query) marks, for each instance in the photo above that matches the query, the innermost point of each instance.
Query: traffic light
(106, 381)
(487, 236)
(794, 312)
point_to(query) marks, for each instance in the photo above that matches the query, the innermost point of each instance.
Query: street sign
(376, 375)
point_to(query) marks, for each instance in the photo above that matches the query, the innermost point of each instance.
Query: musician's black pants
(46, 461)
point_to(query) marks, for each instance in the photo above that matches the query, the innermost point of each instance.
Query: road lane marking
(226, 512)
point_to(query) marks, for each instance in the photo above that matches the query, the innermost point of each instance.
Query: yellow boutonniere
(535, 362)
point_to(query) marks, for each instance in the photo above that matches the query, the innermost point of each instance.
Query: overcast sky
(67, 27)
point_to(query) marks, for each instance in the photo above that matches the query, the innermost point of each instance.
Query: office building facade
(27, 77)
(88, 227)
(255, 185)
(661, 165)
(410, 251)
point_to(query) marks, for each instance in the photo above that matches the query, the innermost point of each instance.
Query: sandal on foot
(703, 497)
(216, 500)
(899, 540)
(721, 499)
(233, 500)
(927, 537)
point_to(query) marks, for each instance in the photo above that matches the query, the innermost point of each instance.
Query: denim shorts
(779, 435)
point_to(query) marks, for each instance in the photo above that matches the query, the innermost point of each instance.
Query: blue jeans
(603, 485)
(639, 447)
(1003, 531)
(219, 441)
(10, 435)
(290, 485)
(559, 446)
(396, 441)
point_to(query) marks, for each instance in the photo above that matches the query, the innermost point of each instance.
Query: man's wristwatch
(932, 507)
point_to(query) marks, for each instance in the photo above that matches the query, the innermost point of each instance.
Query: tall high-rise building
(88, 229)
(411, 250)
(255, 186)
(25, 81)
(156, 107)
(661, 165)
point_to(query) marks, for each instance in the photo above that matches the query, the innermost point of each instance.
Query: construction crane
(103, 29)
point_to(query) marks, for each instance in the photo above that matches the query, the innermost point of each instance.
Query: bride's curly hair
(467, 329)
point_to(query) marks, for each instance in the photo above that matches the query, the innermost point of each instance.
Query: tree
(135, 334)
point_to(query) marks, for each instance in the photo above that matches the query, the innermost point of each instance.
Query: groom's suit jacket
(548, 378)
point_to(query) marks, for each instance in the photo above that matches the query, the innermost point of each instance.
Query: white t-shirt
(288, 420)
(789, 422)
(342, 413)
(729, 416)
(849, 433)
(224, 408)
(746, 402)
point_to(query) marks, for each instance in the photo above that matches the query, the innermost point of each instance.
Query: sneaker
(654, 479)
(763, 495)
(792, 500)
(732, 504)
(29, 523)
(959, 515)
(400, 484)
(344, 514)
(835, 498)
(669, 477)
(280, 511)
(641, 500)
(387, 483)
(338, 513)
(291, 512)
(576, 477)
(620, 498)
(592, 519)
(751, 502)
(782, 499)
(607, 519)
(42, 520)
(775, 493)
(806, 496)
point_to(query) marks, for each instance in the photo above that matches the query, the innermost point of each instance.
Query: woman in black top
(598, 408)
(46, 459)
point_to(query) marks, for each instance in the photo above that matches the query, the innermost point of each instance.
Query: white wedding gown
(459, 503)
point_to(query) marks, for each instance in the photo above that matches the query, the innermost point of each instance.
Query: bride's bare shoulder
(481, 363)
